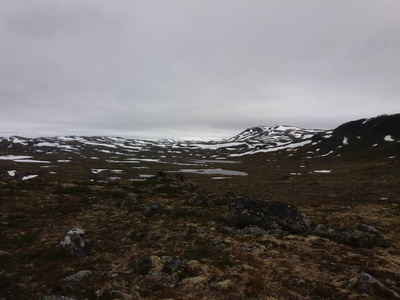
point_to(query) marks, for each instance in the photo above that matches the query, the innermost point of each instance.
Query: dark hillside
(378, 136)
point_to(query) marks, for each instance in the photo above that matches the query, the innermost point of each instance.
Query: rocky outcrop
(271, 216)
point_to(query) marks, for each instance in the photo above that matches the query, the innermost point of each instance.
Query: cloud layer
(178, 68)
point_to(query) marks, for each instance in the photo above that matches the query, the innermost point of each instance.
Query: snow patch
(47, 144)
(97, 171)
(29, 177)
(323, 155)
(389, 138)
(32, 161)
(14, 157)
(145, 176)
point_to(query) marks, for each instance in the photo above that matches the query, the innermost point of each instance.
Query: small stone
(180, 177)
(79, 276)
(143, 265)
(172, 264)
(153, 209)
(127, 202)
(73, 242)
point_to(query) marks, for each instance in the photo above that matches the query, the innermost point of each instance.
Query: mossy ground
(222, 262)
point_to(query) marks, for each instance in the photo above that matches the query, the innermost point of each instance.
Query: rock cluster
(271, 216)
(165, 264)
(364, 236)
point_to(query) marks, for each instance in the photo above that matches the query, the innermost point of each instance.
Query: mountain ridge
(352, 136)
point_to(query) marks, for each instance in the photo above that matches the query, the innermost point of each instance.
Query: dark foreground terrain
(175, 236)
(298, 226)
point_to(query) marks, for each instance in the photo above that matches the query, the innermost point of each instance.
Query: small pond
(214, 171)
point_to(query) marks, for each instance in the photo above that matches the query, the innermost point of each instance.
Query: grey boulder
(73, 242)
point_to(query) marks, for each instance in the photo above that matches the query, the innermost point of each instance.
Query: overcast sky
(198, 68)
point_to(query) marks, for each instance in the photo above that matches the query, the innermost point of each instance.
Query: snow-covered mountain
(352, 136)
(275, 134)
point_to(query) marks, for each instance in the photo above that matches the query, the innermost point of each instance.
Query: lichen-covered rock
(271, 216)
(79, 277)
(367, 283)
(153, 209)
(73, 242)
(364, 236)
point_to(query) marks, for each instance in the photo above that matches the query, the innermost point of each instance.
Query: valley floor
(148, 238)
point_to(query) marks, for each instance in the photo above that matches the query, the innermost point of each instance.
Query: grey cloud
(195, 68)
